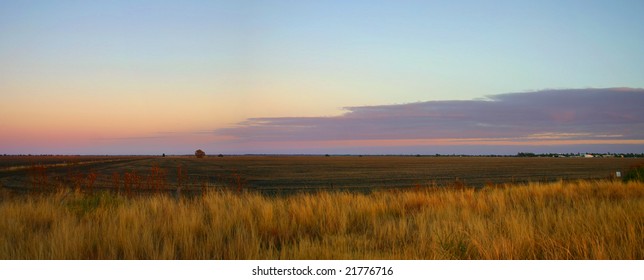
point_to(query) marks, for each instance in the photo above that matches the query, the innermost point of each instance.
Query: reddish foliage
(39, 180)
(90, 180)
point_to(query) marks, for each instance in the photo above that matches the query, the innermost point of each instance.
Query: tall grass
(572, 220)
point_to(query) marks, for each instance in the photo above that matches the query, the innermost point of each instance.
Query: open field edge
(560, 220)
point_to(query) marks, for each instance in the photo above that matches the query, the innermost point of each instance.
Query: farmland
(334, 207)
(284, 174)
(560, 220)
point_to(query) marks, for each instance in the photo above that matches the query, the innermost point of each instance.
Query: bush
(200, 154)
(635, 173)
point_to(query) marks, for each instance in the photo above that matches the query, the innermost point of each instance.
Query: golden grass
(577, 220)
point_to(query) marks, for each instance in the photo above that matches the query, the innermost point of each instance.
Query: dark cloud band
(568, 116)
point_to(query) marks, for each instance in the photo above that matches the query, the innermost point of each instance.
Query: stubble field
(264, 208)
(287, 174)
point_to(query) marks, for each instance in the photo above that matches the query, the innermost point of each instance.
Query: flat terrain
(191, 208)
(598, 219)
(289, 173)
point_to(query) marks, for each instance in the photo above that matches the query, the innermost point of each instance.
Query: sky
(355, 77)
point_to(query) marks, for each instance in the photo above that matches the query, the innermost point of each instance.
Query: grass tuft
(560, 220)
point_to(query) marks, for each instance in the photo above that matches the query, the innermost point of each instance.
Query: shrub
(635, 173)
(200, 154)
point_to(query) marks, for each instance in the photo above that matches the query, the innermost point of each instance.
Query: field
(287, 174)
(362, 208)
(575, 220)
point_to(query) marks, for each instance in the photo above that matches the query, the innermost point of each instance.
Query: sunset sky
(373, 77)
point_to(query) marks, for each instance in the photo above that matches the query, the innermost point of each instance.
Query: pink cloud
(550, 117)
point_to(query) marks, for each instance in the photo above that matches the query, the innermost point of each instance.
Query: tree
(526, 155)
(200, 154)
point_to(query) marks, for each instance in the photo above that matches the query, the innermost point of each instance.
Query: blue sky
(85, 75)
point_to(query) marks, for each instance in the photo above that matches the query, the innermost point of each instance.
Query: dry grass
(577, 220)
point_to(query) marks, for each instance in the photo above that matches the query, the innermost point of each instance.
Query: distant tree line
(201, 154)
(624, 155)
(526, 155)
